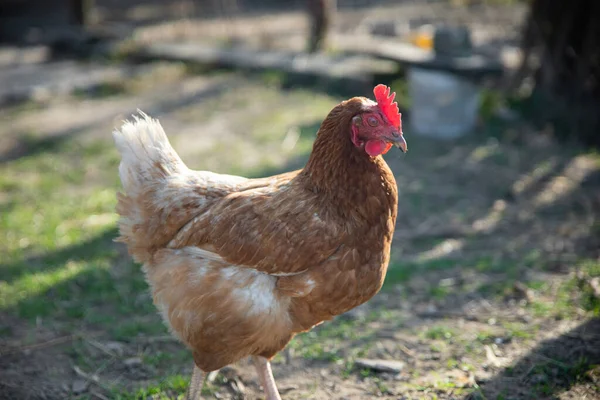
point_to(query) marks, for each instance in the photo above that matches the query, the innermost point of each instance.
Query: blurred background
(493, 290)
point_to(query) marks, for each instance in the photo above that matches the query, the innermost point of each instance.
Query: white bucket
(443, 104)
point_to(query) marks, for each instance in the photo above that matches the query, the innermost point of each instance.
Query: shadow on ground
(553, 366)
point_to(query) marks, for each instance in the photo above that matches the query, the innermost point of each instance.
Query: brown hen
(238, 266)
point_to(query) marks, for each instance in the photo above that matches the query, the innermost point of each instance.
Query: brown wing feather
(271, 225)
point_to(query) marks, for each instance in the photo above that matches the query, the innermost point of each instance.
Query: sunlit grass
(174, 385)
(37, 283)
(327, 342)
(53, 198)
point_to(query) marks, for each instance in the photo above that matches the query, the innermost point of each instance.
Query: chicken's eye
(372, 121)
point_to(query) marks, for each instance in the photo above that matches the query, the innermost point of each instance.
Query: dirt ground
(493, 290)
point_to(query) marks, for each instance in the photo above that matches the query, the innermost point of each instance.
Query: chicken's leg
(263, 369)
(194, 391)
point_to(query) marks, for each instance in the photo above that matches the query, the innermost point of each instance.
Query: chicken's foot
(194, 391)
(263, 369)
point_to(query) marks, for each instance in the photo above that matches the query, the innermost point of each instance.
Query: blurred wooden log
(565, 36)
(320, 13)
(380, 365)
(474, 65)
(354, 71)
(79, 11)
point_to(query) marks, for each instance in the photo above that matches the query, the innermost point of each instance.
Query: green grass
(518, 330)
(328, 341)
(163, 359)
(439, 333)
(56, 235)
(399, 272)
(165, 390)
(105, 89)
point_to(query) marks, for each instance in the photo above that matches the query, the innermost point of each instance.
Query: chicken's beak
(395, 137)
(400, 143)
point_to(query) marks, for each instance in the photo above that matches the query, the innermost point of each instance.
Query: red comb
(386, 103)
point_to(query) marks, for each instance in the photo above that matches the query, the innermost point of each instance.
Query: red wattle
(377, 147)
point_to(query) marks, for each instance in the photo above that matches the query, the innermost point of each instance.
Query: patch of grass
(399, 272)
(347, 369)
(138, 327)
(32, 285)
(573, 293)
(163, 359)
(102, 90)
(445, 385)
(485, 337)
(439, 333)
(315, 350)
(542, 308)
(539, 286)
(551, 376)
(519, 330)
(588, 299)
(439, 292)
(194, 68)
(326, 342)
(400, 86)
(436, 347)
(56, 252)
(491, 100)
(165, 390)
(273, 78)
(381, 387)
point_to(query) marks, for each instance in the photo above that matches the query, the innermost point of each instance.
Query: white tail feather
(151, 173)
(145, 151)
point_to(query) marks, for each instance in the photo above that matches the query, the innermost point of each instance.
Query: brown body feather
(238, 266)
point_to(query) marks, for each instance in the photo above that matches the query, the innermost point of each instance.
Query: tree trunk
(566, 38)
(320, 13)
(79, 11)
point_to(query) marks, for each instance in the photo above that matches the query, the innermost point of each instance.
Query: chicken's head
(378, 126)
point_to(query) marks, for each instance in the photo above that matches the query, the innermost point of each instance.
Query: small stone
(212, 375)
(447, 282)
(595, 285)
(132, 362)
(431, 309)
(237, 386)
(288, 388)
(380, 365)
(359, 312)
(115, 347)
(385, 28)
(506, 114)
(526, 318)
(79, 386)
(539, 378)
